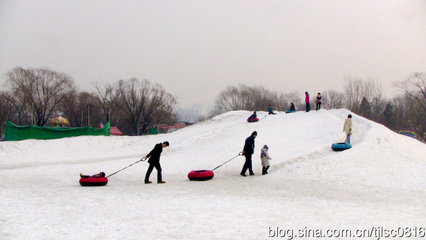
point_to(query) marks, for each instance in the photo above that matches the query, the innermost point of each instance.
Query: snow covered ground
(381, 181)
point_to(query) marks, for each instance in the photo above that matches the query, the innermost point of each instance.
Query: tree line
(407, 110)
(36, 95)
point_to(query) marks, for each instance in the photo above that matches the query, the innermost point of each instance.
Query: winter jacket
(347, 127)
(318, 98)
(252, 117)
(306, 98)
(249, 146)
(264, 156)
(292, 108)
(154, 155)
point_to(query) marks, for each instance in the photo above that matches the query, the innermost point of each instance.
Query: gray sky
(196, 48)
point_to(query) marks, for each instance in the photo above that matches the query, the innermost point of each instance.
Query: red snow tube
(253, 120)
(200, 175)
(93, 181)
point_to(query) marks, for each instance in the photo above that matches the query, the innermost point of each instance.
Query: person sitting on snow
(292, 108)
(252, 117)
(99, 175)
(264, 156)
(270, 111)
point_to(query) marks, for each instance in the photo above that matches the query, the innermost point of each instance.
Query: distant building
(114, 131)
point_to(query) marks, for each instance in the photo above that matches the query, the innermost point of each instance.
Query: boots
(265, 170)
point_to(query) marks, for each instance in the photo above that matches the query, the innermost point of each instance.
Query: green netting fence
(16, 133)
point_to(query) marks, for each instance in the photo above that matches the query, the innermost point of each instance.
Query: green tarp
(16, 133)
(153, 131)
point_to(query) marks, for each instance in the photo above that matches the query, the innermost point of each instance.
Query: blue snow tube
(290, 111)
(340, 146)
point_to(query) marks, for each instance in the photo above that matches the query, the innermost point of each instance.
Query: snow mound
(380, 179)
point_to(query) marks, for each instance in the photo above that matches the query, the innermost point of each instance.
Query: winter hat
(266, 146)
(254, 133)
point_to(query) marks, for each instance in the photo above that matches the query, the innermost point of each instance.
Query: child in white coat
(264, 156)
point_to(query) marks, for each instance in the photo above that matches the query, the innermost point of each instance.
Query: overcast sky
(196, 48)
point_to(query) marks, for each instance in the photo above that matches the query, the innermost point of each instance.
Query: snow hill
(380, 181)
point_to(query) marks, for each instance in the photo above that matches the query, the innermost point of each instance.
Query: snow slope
(381, 181)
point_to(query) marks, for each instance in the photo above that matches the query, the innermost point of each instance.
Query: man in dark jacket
(247, 152)
(154, 162)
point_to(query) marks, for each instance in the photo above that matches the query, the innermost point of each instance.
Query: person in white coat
(264, 156)
(347, 128)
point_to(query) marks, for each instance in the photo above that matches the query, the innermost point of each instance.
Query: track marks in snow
(319, 153)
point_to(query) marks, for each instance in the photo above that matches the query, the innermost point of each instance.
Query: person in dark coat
(318, 102)
(247, 152)
(154, 162)
(252, 117)
(292, 108)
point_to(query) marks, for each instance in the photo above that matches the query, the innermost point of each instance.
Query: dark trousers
(265, 170)
(150, 168)
(318, 106)
(247, 164)
(308, 107)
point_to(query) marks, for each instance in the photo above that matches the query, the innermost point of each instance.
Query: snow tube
(253, 120)
(290, 111)
(93, 181)
(340, 146)
(200, 175)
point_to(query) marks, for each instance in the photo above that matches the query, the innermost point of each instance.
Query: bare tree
(5, 112)
(244, 97)
(414, 87)
(230, 99)
(70, 108)
(333, 99)
(160, 108)
(409, 109)
(288, 98)
(41, 90)
(357, 89)
(106, 98)
(19, 110)
(82, 109)
(191, 114)
(144, 104)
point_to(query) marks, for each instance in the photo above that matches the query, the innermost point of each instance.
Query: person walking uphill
(308, 104)
(347, 128)
(248, 152)
(154, 162)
